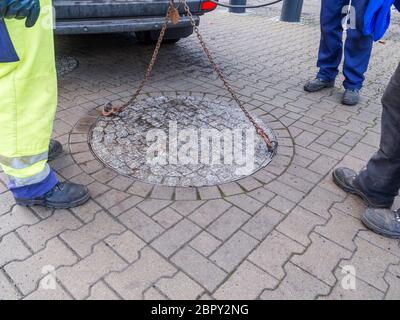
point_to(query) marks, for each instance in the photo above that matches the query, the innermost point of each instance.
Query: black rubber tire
(146, 38)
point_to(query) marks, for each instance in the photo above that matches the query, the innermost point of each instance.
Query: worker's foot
(351, 97)
(345, 179)
(62, 196)
(318, 84)
(55, 149)
(383, 221)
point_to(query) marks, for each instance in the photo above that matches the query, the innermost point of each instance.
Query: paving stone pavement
(285, 232)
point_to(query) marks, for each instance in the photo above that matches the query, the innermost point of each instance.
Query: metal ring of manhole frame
(120, 144)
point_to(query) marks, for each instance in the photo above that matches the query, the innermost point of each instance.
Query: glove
(21, 9)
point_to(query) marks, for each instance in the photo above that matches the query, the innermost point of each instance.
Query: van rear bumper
(116, 25)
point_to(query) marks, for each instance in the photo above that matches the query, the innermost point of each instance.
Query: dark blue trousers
(357, 49)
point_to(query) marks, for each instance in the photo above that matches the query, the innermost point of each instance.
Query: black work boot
(55, 149)
(318, 84)
(351, 97)
(63, 196)
(345, 179)
(383, 221)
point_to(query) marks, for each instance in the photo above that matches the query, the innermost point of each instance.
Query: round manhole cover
(181, 141)
(65, 65)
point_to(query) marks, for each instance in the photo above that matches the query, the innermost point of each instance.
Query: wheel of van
(147, 38)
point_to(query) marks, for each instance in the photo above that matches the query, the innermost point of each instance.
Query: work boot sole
(46, 204)
(350, 104)
(56, 153)
(357, 192)
(328, 86)
(379, 230)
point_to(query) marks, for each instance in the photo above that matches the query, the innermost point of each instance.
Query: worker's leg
(357, 49)
(28, 95)
(331, 45)
(381, 179)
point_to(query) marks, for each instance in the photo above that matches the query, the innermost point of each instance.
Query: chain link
(110, 110)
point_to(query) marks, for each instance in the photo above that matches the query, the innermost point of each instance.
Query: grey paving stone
(179, 287)
(274, 252)
(245, 203)
(228, 223)
(7, 289)
(186, 207)
(26, 274)
(12, 248)
(99, 291)
(377, 261)
(321, 258)
(152, 206)
(127, 245)
(132, 282)
(262, 223)
(83, 239)
(37, 235)
(233, 251)
(140, 224)
(246, 283)
(199, 268)
(18, 217)
(298, 225)
(209, 211)
(125, 205)
(205, 243)
(297, 285)
(170, 241)
(79, 278)
(167, 217)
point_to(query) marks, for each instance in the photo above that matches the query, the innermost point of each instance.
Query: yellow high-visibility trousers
(28, 100)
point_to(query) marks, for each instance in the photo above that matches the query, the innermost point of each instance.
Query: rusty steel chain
(110, 110)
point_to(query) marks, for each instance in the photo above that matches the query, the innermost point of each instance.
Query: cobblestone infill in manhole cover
(65, 65)
(181, 141)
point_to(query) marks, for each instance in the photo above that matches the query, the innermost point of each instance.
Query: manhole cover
(65, 65)
(181, 141)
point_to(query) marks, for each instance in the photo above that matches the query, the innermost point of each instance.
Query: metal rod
(291, 10)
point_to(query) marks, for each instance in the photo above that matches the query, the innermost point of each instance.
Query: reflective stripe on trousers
(28, 100)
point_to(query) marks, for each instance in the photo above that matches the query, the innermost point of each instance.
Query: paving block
(167, 217)
(375, 258)
(245, 203)
(170, 241)
(299, 224)
(209, 211)
(19, 216)
(179, 287)
(262, 223)
(133, 281)
(297, 285)
(79, 278)
(83, 239)
(228, 223)
(341, 229)
(12, 248)
(199, 268)
(246, 283)
(26, 274)
(234, 251)
(321, 258)
(205, 243)
(127, 245)
(7, 289)
(140, 224)
(100, 291)
(274, 252)
(38, 234)
(152, 206)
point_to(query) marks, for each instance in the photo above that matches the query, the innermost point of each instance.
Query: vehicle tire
(147, 37)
